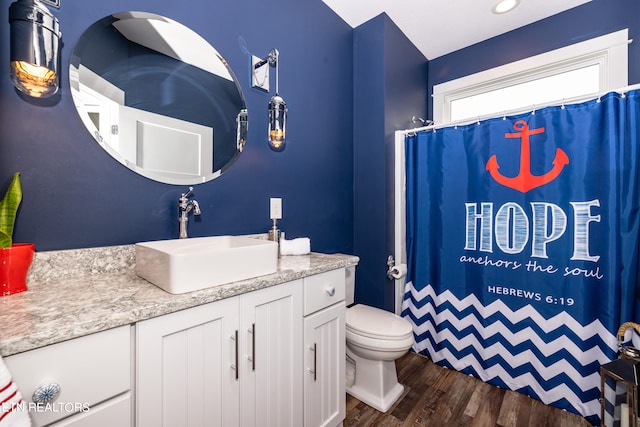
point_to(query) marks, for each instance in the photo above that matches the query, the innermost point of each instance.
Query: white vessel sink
(186, 265)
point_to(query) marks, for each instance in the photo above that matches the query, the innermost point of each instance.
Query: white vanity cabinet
(233, 362)
(92, 374)
(324, 345)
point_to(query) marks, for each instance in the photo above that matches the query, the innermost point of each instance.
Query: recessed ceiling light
(504, 6)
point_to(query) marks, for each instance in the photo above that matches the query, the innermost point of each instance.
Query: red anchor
(525, 180)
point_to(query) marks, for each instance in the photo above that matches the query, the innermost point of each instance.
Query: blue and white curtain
(522, 246)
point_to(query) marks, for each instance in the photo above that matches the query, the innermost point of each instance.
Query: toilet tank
(350, 284)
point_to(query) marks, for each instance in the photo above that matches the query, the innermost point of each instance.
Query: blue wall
(390, 77)
(76, 195)
(593, 19)
(369, 161)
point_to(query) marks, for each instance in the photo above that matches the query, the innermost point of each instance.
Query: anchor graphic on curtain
(525, 180)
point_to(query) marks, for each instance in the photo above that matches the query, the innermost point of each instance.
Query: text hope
(512, 227)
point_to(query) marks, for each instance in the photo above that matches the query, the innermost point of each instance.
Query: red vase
(14, 266)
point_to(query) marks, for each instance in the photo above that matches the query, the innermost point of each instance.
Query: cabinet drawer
(114, 412)
(322, 290)
(88, 370)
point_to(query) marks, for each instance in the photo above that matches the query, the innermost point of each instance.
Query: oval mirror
(158, 98)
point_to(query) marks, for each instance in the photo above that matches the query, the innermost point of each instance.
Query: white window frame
(609, 52)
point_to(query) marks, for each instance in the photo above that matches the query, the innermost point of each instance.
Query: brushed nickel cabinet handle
(235, 365)
(315, 361)
(252, 331)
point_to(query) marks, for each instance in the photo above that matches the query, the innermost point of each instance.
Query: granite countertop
(79, 292)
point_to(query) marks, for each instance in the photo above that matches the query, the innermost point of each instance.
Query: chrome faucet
(184, 207)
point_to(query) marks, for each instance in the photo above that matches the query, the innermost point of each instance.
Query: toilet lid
(376, 323)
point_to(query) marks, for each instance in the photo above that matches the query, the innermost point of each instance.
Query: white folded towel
(299, 246)
(13, 411)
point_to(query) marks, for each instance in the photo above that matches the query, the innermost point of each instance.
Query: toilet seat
(370, 322)
(379, 345)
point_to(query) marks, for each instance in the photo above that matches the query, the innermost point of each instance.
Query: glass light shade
(35, 37)
(277, 122)
(242, 121)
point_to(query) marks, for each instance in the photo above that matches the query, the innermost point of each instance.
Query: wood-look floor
(435, 396)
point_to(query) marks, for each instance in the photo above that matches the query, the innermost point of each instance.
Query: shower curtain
(522, 246)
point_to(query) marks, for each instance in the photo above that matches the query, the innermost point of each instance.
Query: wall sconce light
(35, 35)
(277, 107)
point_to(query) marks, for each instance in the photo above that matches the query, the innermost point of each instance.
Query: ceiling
(438, 27)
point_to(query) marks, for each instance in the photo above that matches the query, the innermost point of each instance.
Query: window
(563, 75)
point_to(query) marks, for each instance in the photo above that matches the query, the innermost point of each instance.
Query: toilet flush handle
(331, 291)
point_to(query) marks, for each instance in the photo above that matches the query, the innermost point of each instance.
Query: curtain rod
(534, 107)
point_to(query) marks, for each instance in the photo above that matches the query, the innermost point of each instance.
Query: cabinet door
(324, 359)
(271, 384)
(186, 373)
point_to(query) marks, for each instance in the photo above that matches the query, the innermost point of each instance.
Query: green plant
(9, 209)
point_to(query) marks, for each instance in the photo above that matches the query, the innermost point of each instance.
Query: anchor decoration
(525, 180)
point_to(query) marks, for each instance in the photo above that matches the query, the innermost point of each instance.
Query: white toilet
(375, 339)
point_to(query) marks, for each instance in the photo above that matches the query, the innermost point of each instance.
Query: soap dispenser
(274, 233)
(276, 214)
